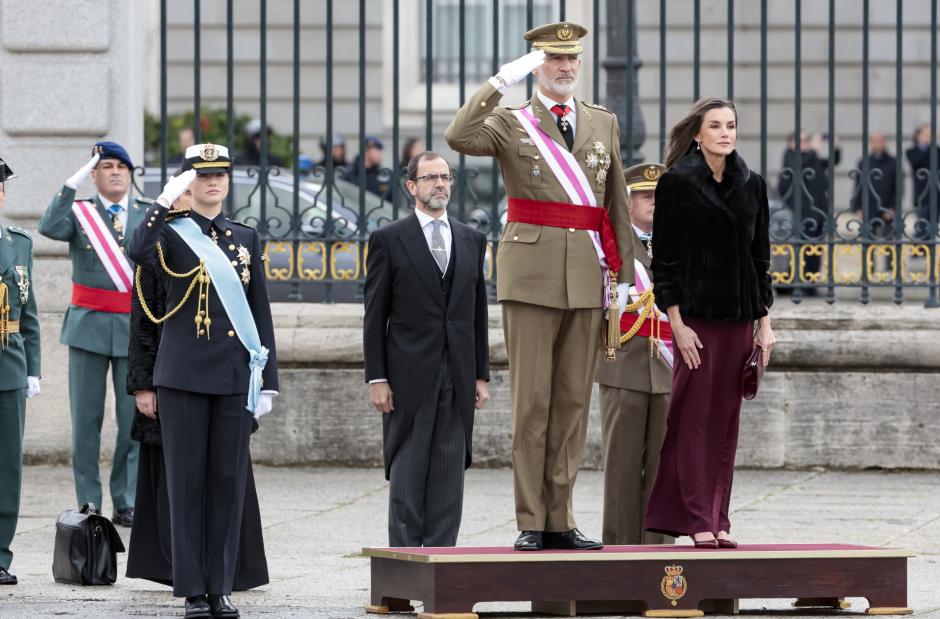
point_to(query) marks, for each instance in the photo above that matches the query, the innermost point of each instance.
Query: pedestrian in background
(711, 261)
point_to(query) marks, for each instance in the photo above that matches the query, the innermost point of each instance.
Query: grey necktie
(438, 250)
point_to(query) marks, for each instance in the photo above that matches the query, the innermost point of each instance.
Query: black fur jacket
(142, 351)
(711, 245)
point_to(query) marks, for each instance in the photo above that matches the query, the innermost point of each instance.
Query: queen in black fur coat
(149, 554)
(711, 261)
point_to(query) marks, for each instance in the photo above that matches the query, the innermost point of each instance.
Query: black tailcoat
(408, 325)
(218, 364)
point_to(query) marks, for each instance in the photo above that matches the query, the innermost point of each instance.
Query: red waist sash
(648, 328)
(101, 300)
(564, 215)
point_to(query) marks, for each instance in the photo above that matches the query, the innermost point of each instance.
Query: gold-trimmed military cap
(558, 38)
(207, 158)
(643, 176)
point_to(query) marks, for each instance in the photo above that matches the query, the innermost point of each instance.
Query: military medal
(244, 258)
(536, 170)
(649, 248)
(22, 283)
(598, 159)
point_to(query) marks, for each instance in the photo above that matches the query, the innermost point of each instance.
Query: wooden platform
(657, 581)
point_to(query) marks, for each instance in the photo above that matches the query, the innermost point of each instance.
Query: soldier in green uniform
(634, 389)
(556, 265)
(97, 321)
(19, 369)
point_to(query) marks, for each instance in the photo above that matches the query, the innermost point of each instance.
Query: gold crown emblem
(673, 570)
(564, 32)
(651, 174)
(209, 152)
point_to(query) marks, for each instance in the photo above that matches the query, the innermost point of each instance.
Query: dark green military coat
(103, 333)
(20, 357)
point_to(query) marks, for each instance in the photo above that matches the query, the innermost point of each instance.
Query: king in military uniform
(634, 388)
(97, 321)
(215, 368)
(558, 266)
(19, 369)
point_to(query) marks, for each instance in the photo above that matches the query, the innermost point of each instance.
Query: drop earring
(698, 145)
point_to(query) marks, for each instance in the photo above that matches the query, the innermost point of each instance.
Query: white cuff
(497, 84)
(270, 392)
(378, 380)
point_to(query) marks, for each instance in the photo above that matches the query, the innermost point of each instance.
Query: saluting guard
(97, 321)
(19, 369)
(634, 388)
(215, 368)
(558, 266)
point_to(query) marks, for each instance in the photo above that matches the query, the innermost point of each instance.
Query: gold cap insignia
(564, 32)
(651, 173)
(97, 150)
(209, 152)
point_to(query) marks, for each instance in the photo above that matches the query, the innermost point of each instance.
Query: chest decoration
(244, 259)
(22, 282)
(598, 160)
(528, 141)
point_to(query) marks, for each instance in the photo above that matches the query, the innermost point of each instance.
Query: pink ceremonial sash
(106, 248)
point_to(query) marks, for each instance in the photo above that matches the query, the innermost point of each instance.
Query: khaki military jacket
(543, 265)
(633, 368)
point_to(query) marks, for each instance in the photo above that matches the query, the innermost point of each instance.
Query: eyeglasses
(444, 178)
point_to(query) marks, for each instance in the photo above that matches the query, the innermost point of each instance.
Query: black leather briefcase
(86, 547)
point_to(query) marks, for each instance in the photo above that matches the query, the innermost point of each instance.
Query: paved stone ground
(317, 519)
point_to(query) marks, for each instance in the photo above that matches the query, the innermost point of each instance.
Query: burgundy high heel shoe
(726, 542)
(705, 543)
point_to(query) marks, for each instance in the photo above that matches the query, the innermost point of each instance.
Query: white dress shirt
(122, 216)
(426, 226)
(571, 116)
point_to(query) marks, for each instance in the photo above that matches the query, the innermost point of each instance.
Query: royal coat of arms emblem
(673, 584)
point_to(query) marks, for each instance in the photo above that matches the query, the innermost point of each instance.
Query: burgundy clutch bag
(750, 377)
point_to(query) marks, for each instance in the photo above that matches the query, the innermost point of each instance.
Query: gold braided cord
(4, 315)
(199, 276)
(646, 305)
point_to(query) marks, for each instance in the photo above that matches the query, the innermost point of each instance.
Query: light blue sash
(232, 294)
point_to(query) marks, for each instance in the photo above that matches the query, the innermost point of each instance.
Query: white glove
(175, 187)
(32, 386)
(623, 298)
(514, 72)
(79, 177)
(265, 403)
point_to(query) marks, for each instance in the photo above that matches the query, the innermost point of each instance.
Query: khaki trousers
(551, 364)
(633, 425)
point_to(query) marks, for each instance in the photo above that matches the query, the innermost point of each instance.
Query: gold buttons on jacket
(570, 229)
(482, 103)
(231, 334)
(228, 233)
(234, 263)
(515, 237)
(231, 248)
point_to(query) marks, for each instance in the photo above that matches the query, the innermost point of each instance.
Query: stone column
(70, 74)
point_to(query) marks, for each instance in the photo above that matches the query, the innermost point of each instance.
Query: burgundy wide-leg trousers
(696, 464)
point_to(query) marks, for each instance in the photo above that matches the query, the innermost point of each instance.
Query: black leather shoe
(571, 540)
(529, 540)
(123, 517)
(6, 578)
(221, 606)
(197, 607)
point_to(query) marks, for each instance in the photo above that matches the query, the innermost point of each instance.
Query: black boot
(6, 578)
(221, 606)
(197, 608)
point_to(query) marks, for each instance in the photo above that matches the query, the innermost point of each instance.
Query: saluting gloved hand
(32, 386)
(79, 177)
(175, 187)
(514, 72)
(265, 403)
(623, 298)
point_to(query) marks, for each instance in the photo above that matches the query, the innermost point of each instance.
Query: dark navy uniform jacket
(215, 362)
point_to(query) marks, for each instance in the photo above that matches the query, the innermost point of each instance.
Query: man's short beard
(555, 87)
(435, 203)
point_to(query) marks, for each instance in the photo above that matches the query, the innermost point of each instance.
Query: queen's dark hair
(681, 138)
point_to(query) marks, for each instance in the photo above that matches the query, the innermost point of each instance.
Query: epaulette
(242, 224)
(19, 231)
(144, 200)
(517, 107)
(174, 213)
(596, 106)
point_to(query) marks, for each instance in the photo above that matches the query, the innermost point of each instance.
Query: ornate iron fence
(316, 224)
